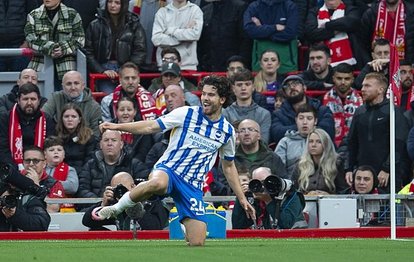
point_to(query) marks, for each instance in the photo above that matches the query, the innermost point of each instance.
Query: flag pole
(392, 165)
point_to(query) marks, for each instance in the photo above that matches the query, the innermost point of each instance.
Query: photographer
(150, 215)
(21, 212)
(287, 204)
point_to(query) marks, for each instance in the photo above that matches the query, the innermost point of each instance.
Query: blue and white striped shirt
(194, 143)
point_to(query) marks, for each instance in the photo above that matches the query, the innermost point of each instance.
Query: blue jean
(107, 86)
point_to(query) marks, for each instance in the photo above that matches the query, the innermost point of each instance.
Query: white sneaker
(102, 213)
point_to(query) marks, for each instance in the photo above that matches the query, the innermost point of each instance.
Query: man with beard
(199, 134)
(406, 74)
(8, 100)
(369, 136)
(343, 100)
(284, 119)
(25, 124)
(319, 76)
(129, 86)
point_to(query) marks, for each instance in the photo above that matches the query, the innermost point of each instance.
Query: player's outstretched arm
(232, 176)
(140, 127)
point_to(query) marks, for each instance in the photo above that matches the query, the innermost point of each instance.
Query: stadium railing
(368, 206)
(45, 76)
(193, 77)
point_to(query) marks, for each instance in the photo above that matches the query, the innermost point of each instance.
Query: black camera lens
(8, 201)
(255, 186)
(119, 191)
(274, 184)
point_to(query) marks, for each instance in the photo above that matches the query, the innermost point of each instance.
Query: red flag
(395, 78)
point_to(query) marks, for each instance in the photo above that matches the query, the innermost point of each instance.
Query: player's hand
(249, 209)
(106, 126)
(348, 178)
(383, 178)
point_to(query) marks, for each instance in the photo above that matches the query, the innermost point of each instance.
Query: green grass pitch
(252, 250)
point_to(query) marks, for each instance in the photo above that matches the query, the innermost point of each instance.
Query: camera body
(273, 185)
(119, 191)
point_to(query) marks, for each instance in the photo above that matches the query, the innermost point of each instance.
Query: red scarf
(160, 101)
(342, 111)
(138, 4)
(16, 136)
(61, 172)
(382, 27)
(341, 51)
(128, 138)
(146, 102)
(57, 190)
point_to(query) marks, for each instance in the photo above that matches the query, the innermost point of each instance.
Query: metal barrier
(196, 77)
(45, 77)
(370, 209)
(191, 76)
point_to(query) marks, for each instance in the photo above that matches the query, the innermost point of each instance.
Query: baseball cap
(291, 78)
(172, 68)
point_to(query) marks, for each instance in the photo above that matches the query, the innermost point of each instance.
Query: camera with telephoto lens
(9, 201)
(119, 191)
(272, 185)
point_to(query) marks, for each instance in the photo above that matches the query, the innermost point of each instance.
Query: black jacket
(314, 83)
(76, 155)
(223, 35)
(140, 147)
(369, 137)
(284, 119)
(31, 215)
(131, 45)
(156, 151)
(13, 15)
(7, 101)
(94, 176)
(28, 124)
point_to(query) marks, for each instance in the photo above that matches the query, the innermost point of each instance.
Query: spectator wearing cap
(283, 120)
(171, 75)
(171, 55)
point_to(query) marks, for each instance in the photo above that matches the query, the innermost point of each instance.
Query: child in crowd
(58, 169)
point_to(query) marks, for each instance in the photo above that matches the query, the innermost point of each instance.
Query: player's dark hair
(221, 84)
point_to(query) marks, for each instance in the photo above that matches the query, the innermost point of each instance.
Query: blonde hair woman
(267, 79)
(318, 172)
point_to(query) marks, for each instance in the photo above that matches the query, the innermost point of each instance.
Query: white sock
(124, 202)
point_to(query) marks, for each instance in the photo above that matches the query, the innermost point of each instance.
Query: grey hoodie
(254, 112)
(290, 148)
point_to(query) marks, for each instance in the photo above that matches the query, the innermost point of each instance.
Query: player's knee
(157, 185)
(196, 243)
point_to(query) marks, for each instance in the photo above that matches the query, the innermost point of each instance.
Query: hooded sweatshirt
(290, 148)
